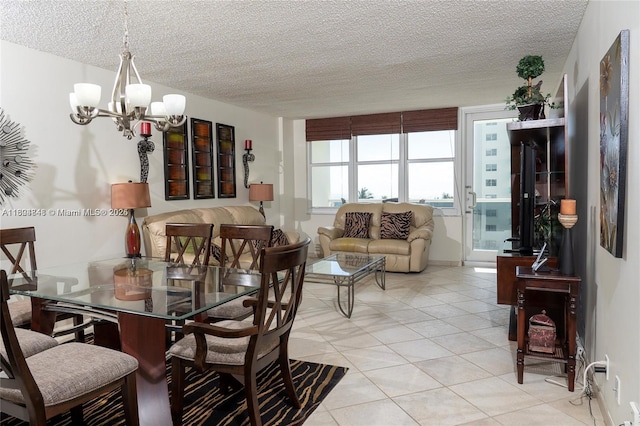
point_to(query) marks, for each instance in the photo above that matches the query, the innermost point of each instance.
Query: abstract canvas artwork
(614, 124)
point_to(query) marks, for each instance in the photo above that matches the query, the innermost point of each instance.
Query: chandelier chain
(125, 39)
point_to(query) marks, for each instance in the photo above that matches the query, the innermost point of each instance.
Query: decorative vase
(530, 112)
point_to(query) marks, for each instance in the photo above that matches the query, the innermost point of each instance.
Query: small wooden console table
(552, 282)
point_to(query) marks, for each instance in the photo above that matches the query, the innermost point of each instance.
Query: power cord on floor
(586, 387)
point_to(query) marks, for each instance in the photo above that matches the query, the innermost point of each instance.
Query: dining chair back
(188, 239)
(61, 378)
(15, 244)
(238, 239)
(18, 245)
(243, 348)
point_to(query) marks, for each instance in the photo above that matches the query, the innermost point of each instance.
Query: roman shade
(339, 128)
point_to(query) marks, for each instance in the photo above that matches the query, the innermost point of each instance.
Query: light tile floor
(430, 350)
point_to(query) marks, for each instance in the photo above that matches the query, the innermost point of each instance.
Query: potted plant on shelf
(528, 98)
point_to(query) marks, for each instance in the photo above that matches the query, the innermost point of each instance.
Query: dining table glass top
(142, 286)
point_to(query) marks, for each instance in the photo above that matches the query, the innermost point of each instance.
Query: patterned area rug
(206, 405)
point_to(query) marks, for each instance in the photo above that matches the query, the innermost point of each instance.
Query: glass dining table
(141, 295)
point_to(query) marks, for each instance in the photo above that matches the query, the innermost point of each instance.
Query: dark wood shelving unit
(551, 180)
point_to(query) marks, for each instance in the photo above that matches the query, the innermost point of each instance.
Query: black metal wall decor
(145, 146)
(15, 166)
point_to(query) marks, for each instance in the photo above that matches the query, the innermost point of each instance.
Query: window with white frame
(411, 167)
(378, 165)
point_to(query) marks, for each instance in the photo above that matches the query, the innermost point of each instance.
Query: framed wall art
(226, 146)
(176, 163)
(614, 135)
(202, 158)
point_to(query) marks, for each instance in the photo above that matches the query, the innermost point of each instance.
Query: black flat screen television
(527, 197)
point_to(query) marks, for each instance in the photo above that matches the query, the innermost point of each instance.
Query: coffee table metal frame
(345, 270)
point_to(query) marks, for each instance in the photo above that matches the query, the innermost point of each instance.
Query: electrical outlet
(617, 389)
(636, 413)
(606, 373)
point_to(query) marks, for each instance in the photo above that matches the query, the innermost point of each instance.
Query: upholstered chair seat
(31, 342)
(66, 372)
(20, 311)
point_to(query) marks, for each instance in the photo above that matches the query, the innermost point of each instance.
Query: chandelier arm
(173, 122)
(80, 120)
(116, 93)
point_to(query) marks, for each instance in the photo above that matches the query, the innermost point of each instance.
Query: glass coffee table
(345, 270)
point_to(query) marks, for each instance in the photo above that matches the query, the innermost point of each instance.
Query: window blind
(376, 124)
(327, 129)
(430, 119)
(322, 129)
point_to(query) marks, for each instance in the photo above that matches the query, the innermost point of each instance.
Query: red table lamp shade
(131, 196)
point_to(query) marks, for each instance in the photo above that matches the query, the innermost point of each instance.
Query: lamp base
(132, 237)
(565, 261)
(261, 210)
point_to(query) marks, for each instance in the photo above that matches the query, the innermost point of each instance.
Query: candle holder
(145, 146)
(566, 248)
(246, 158)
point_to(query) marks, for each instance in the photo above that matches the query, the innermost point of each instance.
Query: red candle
(248, 144)
(145, 128)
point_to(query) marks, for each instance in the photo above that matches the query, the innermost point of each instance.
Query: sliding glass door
(487, 212)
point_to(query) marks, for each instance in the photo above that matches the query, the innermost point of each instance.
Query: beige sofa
(407, 255)
(153, 227)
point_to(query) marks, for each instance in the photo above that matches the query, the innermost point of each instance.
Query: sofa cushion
(395, 226)
(387, 247)
(357, 225)
(357, 245)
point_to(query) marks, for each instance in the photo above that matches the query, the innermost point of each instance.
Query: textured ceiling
(311, 58)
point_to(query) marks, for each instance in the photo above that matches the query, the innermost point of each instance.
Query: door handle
(472, 205)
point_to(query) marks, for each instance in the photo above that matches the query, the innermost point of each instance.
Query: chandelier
(130, 99)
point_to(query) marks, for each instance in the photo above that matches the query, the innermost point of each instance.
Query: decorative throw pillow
(216, 252)
(278, 238)
(356, 225)
(395, 226)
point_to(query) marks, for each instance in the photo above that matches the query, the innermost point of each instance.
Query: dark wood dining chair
(18, 245)
(61, 378)
(243, 348)
(188, 239)
(187, 244)
(237, 241)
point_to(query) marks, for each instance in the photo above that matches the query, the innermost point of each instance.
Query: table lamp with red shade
(130, 196)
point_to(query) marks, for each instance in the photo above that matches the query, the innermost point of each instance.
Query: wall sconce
(145, 146)
(261, 192)
(246, 158)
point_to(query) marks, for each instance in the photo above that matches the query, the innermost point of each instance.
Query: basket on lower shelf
(542, 333)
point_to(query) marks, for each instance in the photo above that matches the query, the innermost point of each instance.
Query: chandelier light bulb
(73, 101)
(138, 95)
(158, 109)
(87, 94)
(174, 104)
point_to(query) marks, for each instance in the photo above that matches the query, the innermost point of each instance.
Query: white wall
(612, 284)
(75, 165)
